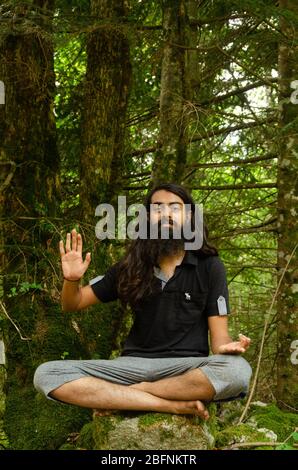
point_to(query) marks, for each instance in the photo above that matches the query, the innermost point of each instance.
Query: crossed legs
(181, 394)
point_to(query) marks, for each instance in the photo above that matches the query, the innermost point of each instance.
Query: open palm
(235, 347)
(73, 266)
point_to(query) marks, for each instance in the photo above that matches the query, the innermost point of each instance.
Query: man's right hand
(73, 266)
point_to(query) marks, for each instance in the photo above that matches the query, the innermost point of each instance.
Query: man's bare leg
(191, 385)
(91, 392)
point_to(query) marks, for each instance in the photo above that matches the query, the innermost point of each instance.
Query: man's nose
(166, 211)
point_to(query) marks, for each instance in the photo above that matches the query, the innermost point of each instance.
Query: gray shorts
(228, 374)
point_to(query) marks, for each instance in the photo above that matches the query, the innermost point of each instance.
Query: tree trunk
(287, 393)
(106, 96)
(171, 157)
(103, 125)
(30, 199)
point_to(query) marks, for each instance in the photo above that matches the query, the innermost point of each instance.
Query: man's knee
(232, 374)
(240, 374)
(42, 375)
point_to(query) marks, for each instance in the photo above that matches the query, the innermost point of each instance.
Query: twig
(11, 320)
(263, 339)
(288, 406)
(251, 444)
(9, 176)
(289, 437)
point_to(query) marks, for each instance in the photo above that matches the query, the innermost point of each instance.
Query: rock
(271, 436)
(259, 403)
(132, 430)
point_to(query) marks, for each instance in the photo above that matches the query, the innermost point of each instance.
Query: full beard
(158, 248)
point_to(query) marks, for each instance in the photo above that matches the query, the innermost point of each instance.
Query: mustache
(162, 221)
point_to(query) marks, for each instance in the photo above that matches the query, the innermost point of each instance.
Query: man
(176, 296)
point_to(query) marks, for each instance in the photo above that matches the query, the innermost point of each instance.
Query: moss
(2, 396)
(4, 444)
(282, 423)
(213, 425)
(166, 434)
(228, 413)
(86, 439)
(102, 426)
(149, 419)
(235, 434)
(37, 423)
(67, 446)
(31, 421)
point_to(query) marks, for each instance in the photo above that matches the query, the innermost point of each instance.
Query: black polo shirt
(173, 322)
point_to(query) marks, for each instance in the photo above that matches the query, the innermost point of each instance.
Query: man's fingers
(61, 248)
(74, 239)
(79, 243)
(67, 244)
(238, 350)
(244, 339)
(87, 260)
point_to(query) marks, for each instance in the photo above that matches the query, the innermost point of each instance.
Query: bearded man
(178, 296)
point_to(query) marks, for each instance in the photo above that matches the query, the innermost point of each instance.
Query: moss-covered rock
(4, 444)
(49, 423)
(266, 422)
(282, 423)
(125, 430)
(239, 434)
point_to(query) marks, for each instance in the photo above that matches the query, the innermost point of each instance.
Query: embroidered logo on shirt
(222, 305)
(187, 296)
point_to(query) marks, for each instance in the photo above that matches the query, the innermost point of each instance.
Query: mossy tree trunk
(287, 392)
(106, 93)
(105, 104)
(175, 91)
(30, 201)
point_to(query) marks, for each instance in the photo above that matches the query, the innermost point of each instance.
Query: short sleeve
(105, 287)
(218, 296)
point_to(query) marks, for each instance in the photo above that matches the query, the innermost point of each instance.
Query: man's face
(168, 209)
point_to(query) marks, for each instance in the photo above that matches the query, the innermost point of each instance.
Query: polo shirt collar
(189, 258)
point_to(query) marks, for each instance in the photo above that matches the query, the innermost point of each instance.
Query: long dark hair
(135, 270)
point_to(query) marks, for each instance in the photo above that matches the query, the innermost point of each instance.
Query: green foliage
(242, 222)
(64, 355)
(24, 288)
(291, 442)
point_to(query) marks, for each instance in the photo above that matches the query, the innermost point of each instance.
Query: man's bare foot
(191, 407)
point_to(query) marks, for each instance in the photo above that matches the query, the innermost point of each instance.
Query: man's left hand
(236, 347)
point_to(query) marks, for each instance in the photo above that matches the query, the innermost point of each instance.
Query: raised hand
(235, 347)
(73, 266)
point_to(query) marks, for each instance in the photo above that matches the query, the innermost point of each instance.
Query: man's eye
(176, 207)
